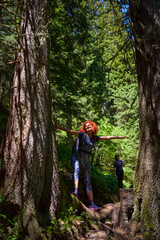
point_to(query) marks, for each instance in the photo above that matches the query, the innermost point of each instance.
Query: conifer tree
(145, 18)
(29, 172)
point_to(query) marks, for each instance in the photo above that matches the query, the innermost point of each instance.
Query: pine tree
(29, 171)
(145, 18)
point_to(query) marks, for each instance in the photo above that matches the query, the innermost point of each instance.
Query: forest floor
(112, 221)
(104, 224)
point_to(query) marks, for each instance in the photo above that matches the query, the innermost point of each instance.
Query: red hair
(94, 128)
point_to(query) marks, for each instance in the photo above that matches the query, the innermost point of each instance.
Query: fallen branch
(9, 11)
(98, 215)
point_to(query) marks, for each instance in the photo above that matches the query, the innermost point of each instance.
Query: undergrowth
(104, 184)
(69, 221)
(9, 229)
(70, 224)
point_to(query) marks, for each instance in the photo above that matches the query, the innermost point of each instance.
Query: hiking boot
(93, 206)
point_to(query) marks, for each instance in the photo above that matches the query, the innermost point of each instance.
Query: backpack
(77, 144)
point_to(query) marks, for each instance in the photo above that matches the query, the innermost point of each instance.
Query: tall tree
(69, 31)
(29, 161)
(146, 21)
(112, 72)
(7, 52)
(93, 70)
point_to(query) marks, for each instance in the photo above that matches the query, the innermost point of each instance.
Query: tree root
(112, 220)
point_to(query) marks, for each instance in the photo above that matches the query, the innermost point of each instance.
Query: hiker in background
(118, 164)
(86, 138)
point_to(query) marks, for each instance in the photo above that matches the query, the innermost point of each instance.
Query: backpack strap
(77, 143)
(82, 138)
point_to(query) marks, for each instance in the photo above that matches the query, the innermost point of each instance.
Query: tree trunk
(146, 20)
(70, 139)
(29, 165)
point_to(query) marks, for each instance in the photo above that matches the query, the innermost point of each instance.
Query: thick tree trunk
(146, 22)
(70, 140)
(30, 159)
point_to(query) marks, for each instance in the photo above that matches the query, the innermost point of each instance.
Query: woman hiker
(119, 164)
(81, 151)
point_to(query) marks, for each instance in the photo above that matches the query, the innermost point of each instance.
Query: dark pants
(120, 178)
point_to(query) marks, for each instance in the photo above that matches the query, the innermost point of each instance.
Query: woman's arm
(68, 130)
(110, 137)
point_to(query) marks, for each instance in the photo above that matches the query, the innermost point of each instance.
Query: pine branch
(9, 11)
(15, 21)
(117, 53)
(8, 45)
(134, 101)
(9, 28)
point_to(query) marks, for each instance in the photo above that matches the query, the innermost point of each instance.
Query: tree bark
(29, 164)
(146, 20)
(70, 140)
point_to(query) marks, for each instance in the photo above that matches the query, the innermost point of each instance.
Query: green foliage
(96, 80)
(8, 45)
(105, 151)
(104, 186)
(64, 155)
(129, 173)
(7, 40)
(147, 220)
(104, 182)
(92, 76)
(9, 229)
(69, 31)
(63, 227)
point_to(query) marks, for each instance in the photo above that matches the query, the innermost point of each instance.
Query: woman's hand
(122, 137)
(111, 137)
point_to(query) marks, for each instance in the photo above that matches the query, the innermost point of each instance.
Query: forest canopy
(92, 71)
(93, 75)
